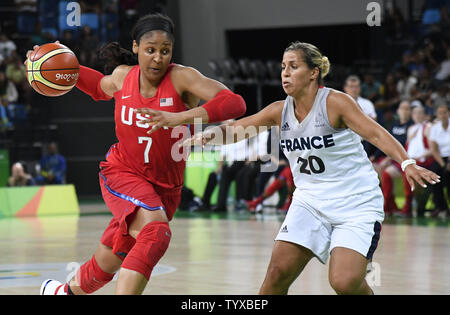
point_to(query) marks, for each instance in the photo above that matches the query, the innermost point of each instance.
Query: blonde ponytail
(325, 66)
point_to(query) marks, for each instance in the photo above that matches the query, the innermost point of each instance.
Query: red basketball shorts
(124, 193)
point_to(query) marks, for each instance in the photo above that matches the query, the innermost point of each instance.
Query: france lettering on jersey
(146, 155)
(326, 163)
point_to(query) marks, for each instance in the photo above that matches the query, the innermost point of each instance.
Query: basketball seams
(32, 73)
(43, 70)
(54, 53)
(36, 78)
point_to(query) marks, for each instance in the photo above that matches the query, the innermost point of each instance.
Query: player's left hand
(415, 173)
(160, 119)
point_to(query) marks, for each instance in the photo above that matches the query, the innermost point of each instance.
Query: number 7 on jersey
(147, 147)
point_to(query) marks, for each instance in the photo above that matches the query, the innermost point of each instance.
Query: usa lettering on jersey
(127, 118)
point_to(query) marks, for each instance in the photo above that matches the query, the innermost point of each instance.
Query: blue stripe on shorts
(129, 198)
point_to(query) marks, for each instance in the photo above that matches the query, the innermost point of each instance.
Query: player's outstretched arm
(221, 103)
(99, 86)
(343, 111)
(235, 131)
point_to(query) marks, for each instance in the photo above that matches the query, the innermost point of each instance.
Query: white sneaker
(52, 287)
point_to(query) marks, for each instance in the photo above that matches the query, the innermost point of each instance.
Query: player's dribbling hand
(415, 173)
(29, 52)
(159, 118)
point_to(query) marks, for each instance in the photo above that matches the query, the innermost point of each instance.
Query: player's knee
(278, 275)
(156, 233)
(345, 283)
(151, 244)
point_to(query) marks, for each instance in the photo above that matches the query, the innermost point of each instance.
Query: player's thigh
(347, 267)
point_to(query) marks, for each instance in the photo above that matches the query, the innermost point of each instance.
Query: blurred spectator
(422, 91)
(443, 72)
(352, 87)
(440, 148)
(406, 83)
(389, 169)
(390, 95)
(425, 83)
(440, 96)
(8, 91)
(19, 177)
(7, 46)
(418, 149)
(53, 167)
(15, 72)
(371, 88)
(2, 66)
(88, 46)
(430, 53)
(26, 15)
(389, 99)
(5, 116)
(416, 62)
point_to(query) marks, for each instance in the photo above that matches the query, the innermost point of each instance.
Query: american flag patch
(166, 102)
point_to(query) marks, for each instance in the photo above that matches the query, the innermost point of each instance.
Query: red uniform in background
(139, 170)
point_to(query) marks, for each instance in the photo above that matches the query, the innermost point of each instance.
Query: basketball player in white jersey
(337, 207)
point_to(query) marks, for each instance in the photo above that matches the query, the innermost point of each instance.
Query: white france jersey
(326, 163)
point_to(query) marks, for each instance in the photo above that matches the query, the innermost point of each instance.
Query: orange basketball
(52, 69)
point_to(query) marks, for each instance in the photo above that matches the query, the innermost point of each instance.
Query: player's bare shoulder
(339, 100)
(112, 83)
(119, 74)
(183, 75)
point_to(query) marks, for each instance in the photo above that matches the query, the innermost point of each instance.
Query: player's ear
(135, 47)
(314, 73)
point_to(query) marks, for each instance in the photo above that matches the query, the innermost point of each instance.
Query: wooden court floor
(214, 254)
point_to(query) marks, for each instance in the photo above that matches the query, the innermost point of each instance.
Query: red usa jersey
(147, 155)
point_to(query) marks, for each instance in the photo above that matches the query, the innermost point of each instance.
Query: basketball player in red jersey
(140, 182)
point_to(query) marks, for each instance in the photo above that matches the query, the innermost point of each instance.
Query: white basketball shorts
(320, 225)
